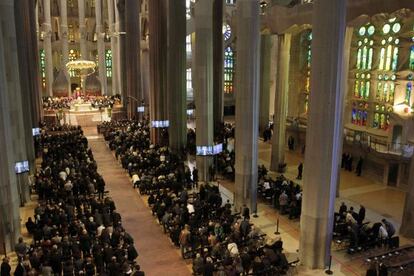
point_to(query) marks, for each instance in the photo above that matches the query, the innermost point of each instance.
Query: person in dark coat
(5, 267)
(300, 170)
(361, 215)
(358, 169)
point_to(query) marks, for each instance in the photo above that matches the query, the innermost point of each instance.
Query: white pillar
(247, 103)
(203, 82)
(114, 46)
(82, 31)
(324, 133)
(100, 34)
(281, 103)
(47, 46)
(64, 40)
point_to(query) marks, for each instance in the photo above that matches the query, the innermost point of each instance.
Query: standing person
(361, 215)
(359, 166)
(5, 267)
(300, 170)
(350, 160)
(195, 176)
(245, 212)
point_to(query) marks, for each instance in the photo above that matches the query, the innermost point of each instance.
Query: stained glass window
(408, 91)
(382, 117)
(412, 57)
(73, 55)
(108, 63)
(228, 70)
(360, 113)
(362, 85)
(308, 61)
(42, 56)
(365, 51)
(226, 31)
(188, 8)
(389, 46)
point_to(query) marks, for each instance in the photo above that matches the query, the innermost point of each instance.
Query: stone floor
(157, 255)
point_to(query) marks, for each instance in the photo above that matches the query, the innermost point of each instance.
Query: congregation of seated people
(76, 229)
(351, 229)
(204, 227)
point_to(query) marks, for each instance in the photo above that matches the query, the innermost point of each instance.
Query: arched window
(362, 85)
(228, 70)
(108, 63)
(73, 55)
(42, 56)
(382, 117)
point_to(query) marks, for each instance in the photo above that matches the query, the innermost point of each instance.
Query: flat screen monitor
(21, 167)
(218, 148)
(36, 131)
(204, 150)
(141, 109)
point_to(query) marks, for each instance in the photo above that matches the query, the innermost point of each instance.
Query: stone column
(64, 40)
(157, 64)
(100, 34)
(218, 65)
(265, 58)
(26, 74)
(114, 47)
(407, 225)
(47, 46)
(176, 74)
(247, 103)
(203, 82)
(121, 58)
(133, 62)
(281, 103)
(82, 31)
(11, 130)
(324, 133)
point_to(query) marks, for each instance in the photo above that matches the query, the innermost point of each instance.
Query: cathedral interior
(193, 101)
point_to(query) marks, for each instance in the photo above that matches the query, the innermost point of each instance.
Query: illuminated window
(189, 79)
(71, 33)
(228, 70)
(188, 43)
(360, 113)
(307, 43)
(412, 57)
(226, 31)
(389, 46)
(365, 50)
(43, 67)
(108, 63)
(230, 2)
(188, 8)
(362, 86)
(73, 55)
(382, 117)
(408, 91)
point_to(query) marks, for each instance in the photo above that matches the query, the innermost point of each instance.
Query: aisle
(157, 256)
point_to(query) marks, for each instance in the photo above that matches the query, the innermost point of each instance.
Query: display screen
(160, 124)
(36, 131)
(204, 150)
(218, 148)
(141, 109)
(21, 167)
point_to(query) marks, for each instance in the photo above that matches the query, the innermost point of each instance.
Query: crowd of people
(350, 228)
(196, 220)
(76, 229)
(284, 194)
(59, 103)
(347, 163)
